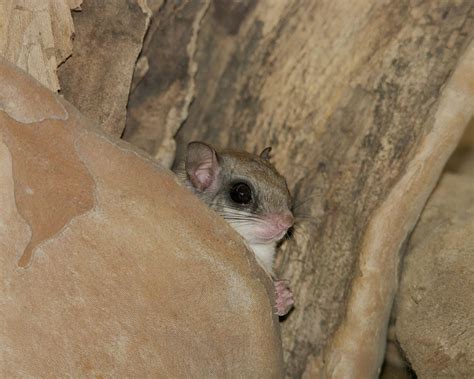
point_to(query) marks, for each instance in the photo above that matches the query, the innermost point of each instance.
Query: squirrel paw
(284, 297)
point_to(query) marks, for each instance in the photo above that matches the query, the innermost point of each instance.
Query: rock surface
(462, 160)
(97, 78)
(164, 95)
(358, 101)
(37, 36)
(435, 318)
(109, 268)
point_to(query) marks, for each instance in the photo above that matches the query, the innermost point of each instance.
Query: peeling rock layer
(37, 36)
(375, 286)
(108, 266)
(97, 78)
(160, 102)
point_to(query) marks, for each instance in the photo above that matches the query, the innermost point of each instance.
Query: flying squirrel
(250, 194)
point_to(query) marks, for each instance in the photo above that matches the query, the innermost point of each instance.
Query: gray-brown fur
(270, 188)
(226, 181)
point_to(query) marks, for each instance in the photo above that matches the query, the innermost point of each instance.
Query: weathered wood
(97, 78)
(346, 93)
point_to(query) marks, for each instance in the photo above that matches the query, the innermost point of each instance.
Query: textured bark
(348, 95)
(37, 36)
(159, 104)
(97, 78)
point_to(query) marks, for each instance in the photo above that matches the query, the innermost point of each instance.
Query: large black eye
(241, 193)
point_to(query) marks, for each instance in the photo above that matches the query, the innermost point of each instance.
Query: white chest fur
(265, 254)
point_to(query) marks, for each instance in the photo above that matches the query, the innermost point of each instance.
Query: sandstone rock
(97, 78)
(363, 102)
(435, 304)
(109, 268)
(160, 103)
(462, 160)
(37, 36)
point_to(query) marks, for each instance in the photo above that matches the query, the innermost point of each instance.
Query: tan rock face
(109, 267)
(163, 98)
(435, 304)
(36, 35)
(97, 77)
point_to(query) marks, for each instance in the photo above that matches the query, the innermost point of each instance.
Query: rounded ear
(202, 165)
(265, 154)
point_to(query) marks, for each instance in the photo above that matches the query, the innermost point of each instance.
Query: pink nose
(285, 221)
